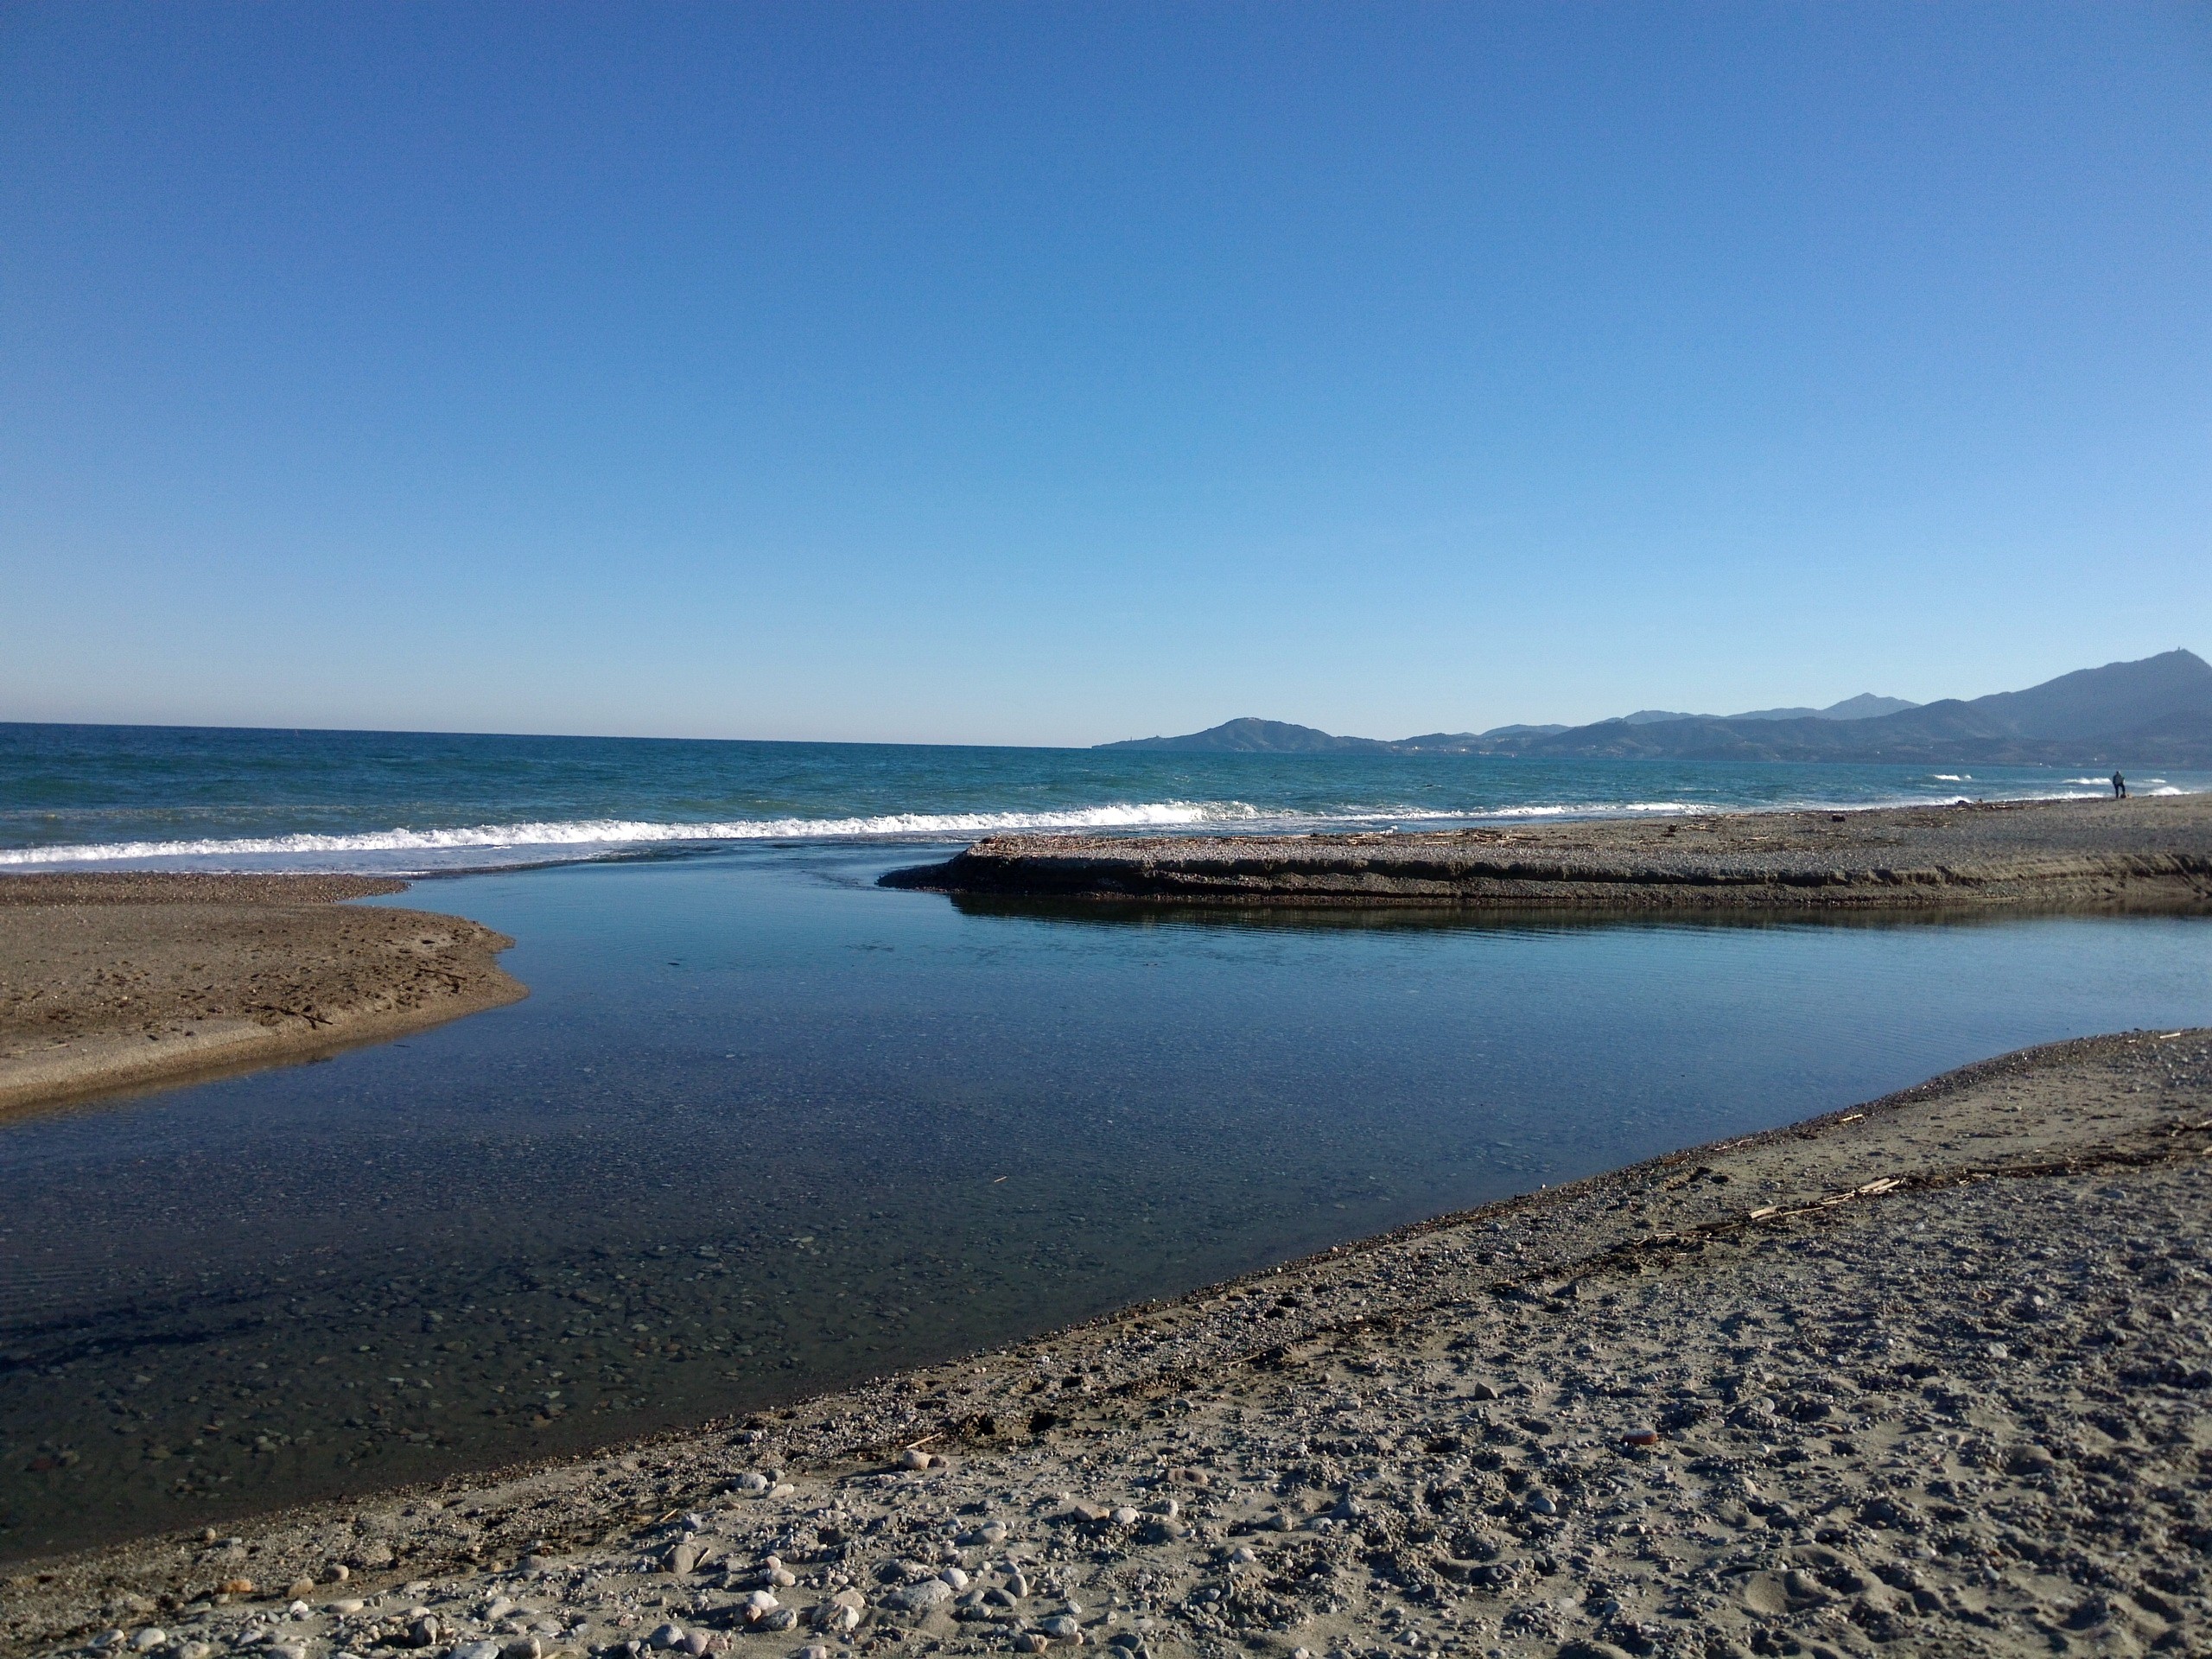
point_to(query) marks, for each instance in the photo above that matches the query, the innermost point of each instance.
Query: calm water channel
(763, 1128)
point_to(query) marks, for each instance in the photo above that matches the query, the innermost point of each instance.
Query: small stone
(498, 1608)
(782, 1619)
(955, 1577)
(349, 1607)
(914, 1458)
(207, 1535)
(694, 1643)
(757, 1606)
(194, 1651)
(1539, 1503)
(1641, 1436)
(423, 1632)
(235, 1587)
(528, 1647)
(1032, 1642)
(666, 1637)
(149, 1638)
(1086, 1514)
(919, 1598)
(107, 1639)
(1126, 1517)
(1061, 1628)
(683, 1559)
(752, 1484)
(476, 1650)
(1480, 1391)
(337, 1573)
(1242, 1555)
(1017, 1586)
(300, 1589)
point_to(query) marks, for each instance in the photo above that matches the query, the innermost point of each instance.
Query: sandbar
(113, 981)
(2150, 856)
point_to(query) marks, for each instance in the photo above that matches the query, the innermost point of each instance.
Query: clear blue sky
(1052, 373)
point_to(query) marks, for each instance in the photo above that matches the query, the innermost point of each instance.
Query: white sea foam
(403, 851)
(1595, 809)
(616, 833)
(1952, 777)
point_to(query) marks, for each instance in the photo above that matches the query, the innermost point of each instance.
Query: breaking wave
(614, 834)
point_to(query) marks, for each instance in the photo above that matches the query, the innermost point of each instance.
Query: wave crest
(614, 833)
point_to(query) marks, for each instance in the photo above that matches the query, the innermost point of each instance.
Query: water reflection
(763, 1128)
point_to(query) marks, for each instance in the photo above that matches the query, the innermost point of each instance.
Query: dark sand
(115, 981)
(2146, 856)
(1930, 1376)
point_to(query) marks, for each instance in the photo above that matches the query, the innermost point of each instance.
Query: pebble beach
(1931, 1376)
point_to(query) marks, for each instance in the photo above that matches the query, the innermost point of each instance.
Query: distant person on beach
(2119, 787)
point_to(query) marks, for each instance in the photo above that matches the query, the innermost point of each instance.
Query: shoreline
(115, 982)
(1928, 1373)
(2147, 855)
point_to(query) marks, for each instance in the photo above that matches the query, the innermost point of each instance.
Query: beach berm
(115, 979)
(2141, 856)
(1932, 1376)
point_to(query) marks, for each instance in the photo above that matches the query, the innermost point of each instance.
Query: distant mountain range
(2156, 711)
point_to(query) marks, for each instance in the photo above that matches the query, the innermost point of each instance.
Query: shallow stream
(763, 1128)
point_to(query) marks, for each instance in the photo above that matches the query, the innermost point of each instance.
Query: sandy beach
(1930, 1376)
(116, 981)
(2133, 855)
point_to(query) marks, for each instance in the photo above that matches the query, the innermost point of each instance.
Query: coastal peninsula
(1928, 1376)
(2152, 855)
(110, 981)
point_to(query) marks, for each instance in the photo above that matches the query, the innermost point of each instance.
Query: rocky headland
(2141, 854)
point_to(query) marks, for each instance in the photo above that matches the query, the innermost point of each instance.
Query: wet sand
(2150, 856)
(114, 981)
(1930, 1376)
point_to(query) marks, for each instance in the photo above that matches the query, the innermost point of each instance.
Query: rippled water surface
(763, 1127)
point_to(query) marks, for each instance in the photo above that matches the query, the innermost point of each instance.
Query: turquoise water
(763, 1127)
(89, 797)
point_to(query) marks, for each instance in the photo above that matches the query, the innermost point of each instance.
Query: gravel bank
(112, 981)
(1930, 1376)
(2151, 854)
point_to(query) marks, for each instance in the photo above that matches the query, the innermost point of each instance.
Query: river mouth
(764, 1128)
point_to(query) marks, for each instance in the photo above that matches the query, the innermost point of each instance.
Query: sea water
(763, 1127)
(85, 797)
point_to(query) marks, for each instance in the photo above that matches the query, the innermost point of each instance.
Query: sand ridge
(2138, 855)
(1932, 1376)
(111, 981)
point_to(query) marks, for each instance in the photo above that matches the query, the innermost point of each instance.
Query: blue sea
(84, 797)
(763, 1127)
